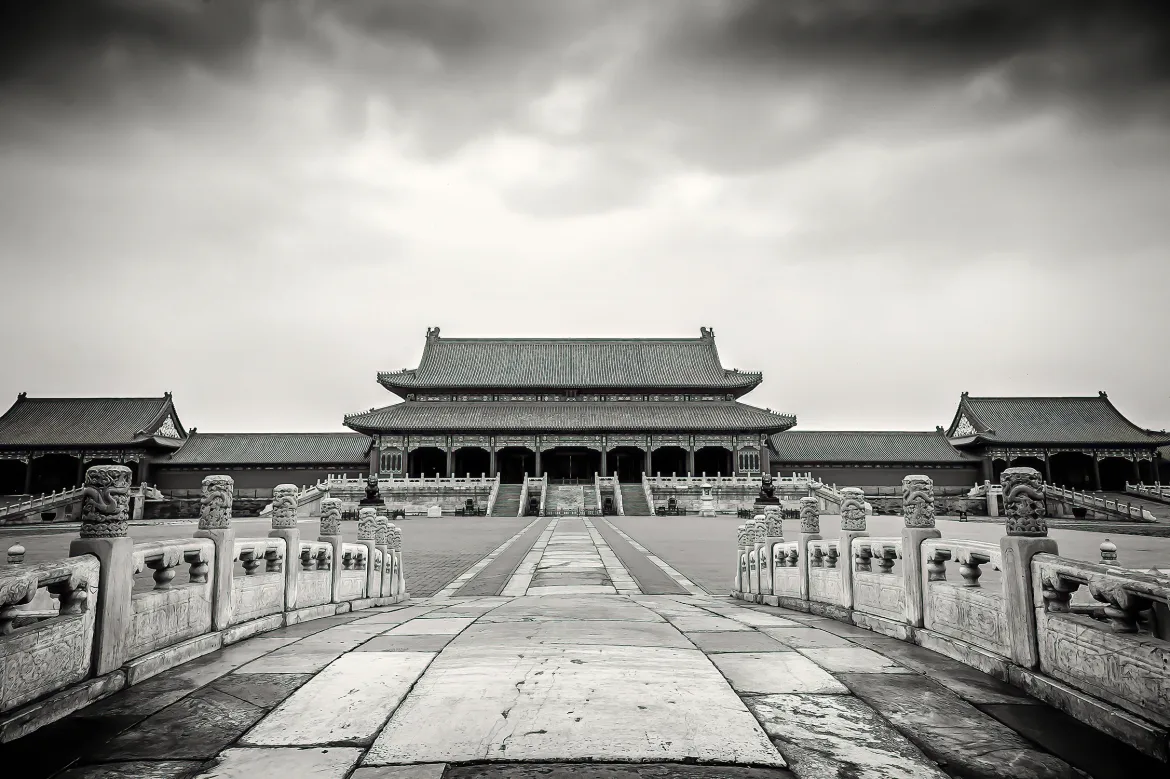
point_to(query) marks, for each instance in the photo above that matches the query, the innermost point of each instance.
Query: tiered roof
(1032, 420)
(570, 363)
(81, 422)
(569, 416)
(271, 448)
(869, 446)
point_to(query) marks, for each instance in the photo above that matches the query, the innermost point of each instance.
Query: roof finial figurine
(1102, 393)
(707, 332)
(22, 396)
(432, 333)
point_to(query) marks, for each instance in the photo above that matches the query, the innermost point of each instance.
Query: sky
(879, 204)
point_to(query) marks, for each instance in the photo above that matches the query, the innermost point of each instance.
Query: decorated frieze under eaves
(1012, 453)
(553, 441)
(459, 441)
(118, 455)
(581, 397)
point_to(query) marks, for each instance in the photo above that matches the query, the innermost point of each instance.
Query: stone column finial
(215, 503)
(775, 521)
(918, 501)
(284, 506)
(105, 505)
(852, 509)
(331, 516)
(382, 530)
(395, 537)
(759, 529)
(741, 536)
(367, 523)
(810, 515)
(1023, 502)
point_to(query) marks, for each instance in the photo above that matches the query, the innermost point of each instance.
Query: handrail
(648, 492)
(1157, 491)
(523, 495)
(42, 501)
(619, 503)
(1136, 513)
(491, 504)
(543, 491)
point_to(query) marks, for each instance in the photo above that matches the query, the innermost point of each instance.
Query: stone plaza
(578, 638)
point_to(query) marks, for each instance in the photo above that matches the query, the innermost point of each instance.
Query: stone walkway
(578, 665)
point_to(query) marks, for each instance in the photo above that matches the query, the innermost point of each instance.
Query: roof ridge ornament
(1102, 394)
(22, 396)
(432, 333)
(707, 332)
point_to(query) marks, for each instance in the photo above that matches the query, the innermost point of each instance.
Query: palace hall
(569, 410)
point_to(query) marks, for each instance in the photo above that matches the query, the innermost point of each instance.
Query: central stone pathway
(571, 558)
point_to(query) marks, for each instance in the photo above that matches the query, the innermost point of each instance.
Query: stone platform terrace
(571, 662)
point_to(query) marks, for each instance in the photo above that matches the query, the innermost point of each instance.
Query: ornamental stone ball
(215, 502)
(367, 524)
(284, 506)
(382, 530)
(918, 501)
(852, 509)
(331, 516)
(775, 521)
(105, 504)
(810, 515)
(1023, 502)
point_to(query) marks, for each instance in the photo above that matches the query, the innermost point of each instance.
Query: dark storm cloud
(1094, 50)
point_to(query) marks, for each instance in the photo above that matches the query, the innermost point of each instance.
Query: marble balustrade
(1107, 664)
(106, 633)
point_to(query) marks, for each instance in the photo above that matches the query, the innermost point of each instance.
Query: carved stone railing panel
(824, 576)
(258, 593)
(786, 569)
(877, 588)
(170, 613)
(1117, 659)
(963, 609)
(49, 654)
(315, 581)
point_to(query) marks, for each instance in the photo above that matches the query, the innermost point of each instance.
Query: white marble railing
(42, 502)
(1003, 608)
(493, 495)
(388, 482)
(1099, 503)
(1159, 492)
(102, 638)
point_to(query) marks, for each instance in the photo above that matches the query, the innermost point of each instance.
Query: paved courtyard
(566, 640)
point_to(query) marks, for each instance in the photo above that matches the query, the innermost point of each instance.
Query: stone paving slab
(854, 659)
(433, 642)
(345, 704)
(594, 770)
(735, 641)
(558, 703)
(579, 607)
(444, 626)
(136, 769)
(774, 673)
(573, 633)
(243, 763)
(838, 735)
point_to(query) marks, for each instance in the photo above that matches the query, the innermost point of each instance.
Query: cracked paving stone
(775, 672)
(282, 763)
(263, 690)
(196, 728)
(838, 735)
(136, 769)
(853, 659)
(736, 641)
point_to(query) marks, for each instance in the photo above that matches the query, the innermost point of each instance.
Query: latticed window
(749, 460)
(391, 460)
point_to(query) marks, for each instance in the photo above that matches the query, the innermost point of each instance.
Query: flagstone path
(571, 662)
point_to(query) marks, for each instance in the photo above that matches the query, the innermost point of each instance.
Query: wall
(188, 508)
(169, 478)
(888, 475)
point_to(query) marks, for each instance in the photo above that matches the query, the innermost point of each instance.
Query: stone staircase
(590, 498)
(565, 499)
(634, 500)
(507, 501)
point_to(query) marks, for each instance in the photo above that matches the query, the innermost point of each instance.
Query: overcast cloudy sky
(878, 203)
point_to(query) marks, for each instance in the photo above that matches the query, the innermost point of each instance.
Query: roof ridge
(573, 339)
(1037, 397)
(316, 432)
(873, 432)
(26, 398)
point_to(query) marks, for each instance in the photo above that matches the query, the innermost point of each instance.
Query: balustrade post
(105, 510)
(284, 525)
(757, 529)
(399, 580)
(382, 538)
(1027, 536)
(852, 526)
(773, 535)
(331, 534)
(367, 537)
(740, 584)
(215, 523)
(810, 530)
(918, 516)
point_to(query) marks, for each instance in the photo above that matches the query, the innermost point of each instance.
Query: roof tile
(876, 446)
(81, 421)
(248, 448)
(1082, 420)
(570, 416)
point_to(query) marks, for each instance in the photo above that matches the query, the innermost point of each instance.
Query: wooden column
(538, 471)
(691, 456)
(450, 459)
(28, 475)
(988, 469)
(650, 457)
(492, 458)
(1047, 468)
(374, 452)
(1096, 473)
(1137, 470)
(604, 460)
(1157, 477)
(80, 470)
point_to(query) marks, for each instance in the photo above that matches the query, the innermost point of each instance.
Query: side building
(569, 409)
